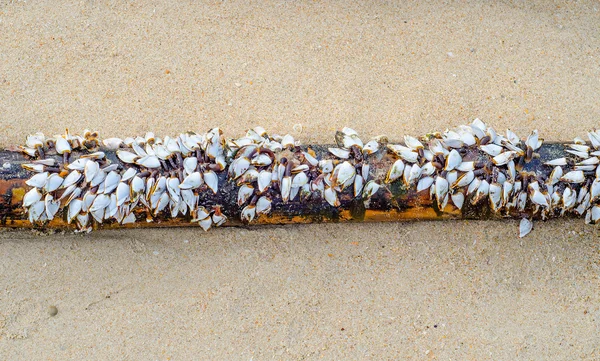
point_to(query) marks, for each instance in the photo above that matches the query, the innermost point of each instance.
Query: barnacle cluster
(174, 175)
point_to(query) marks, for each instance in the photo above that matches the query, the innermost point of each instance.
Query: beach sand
(462, 290)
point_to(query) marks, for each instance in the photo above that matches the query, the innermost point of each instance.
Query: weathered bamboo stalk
(170, 182)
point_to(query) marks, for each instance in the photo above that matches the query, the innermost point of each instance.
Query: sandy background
(455, 290)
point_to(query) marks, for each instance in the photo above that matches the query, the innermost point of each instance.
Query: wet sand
(429, 290)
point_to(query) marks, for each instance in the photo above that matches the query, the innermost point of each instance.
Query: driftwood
(393, 202)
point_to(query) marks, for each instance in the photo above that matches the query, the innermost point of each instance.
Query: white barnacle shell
(39, 180)
(424, 183)
(211, 180)
(102, 201)
(129, 218)
(162, 203)
(331, 197)
(299, 180)
(358, 185)
(189, 198)
(91, 170)
(137, 185)
(504, 158)
(466, 166)
(286, 188)
(88, 200)
(112, 143)
(36, 211)
(127, 157)
(244, 193)
(415, 173)
(525, 227)
(441, 189)
(53, 183)
(111, 182)
(192, 181)
(148, 161)
(129, 174)
(538, 198)
(589, 161)
(534, 141)
(370, 189)
(310, 159)
(238, 167)
(99, 178)
(173, 188)
(34, 167)
(74, 209)
(595, 189)
(427, 169)
(453, 160)
(205, 223)
(371, 147)
(264, 180)
(555, 175)
(263, 205)
(190, 164)
(261, 160)
(405, 153)
(62, 145)
(78, 164)
(326, 166)
(464, 180)
(576, 176)
(491, 149)
(71, 179)
(344, 174)
(287, 141)
(162, 152)
(340, 153)
(248, 213)
(458, 199)
(495, 193)
(474, 185)
(412, 142)
(395, 171)
(482, 192)
(31, 197)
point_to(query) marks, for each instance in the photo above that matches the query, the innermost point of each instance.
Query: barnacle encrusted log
(80, 182)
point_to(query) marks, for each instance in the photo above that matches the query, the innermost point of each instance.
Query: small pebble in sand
(297, 128)
(186, 241)
(155, 253)
(52, 311)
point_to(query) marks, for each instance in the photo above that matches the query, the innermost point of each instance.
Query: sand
(429, 290)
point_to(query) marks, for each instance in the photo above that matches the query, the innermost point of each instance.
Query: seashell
(326, 166)
(525, 227)
(340, 153)
(441, 189)
(34, 167)
(127, 157)
(261, 160)
(112, 143)
(162, 203)
(365, 171)
(239, 167)
(504, 158)
(424, 183)
(286, 188)
(101, 202)
(91, 170)
(482, 192)
(211, 180)
(491, 149)
(331, 197)
(555, 175)
(248, 213)
(205, 223)
(111, 182)
(78, 164)
(31, 197)
(98, 179)
(39, 180)
(557, 162)
(344, 174)
(573, 177)
(310, 159)
(74, 209)
(299, 180)
(427, 169)
(405, 153)
(358, 185)
(371, 147)
(190, 164)
(370, 189)
(412, 142)
(173, 189)
(287, 141)
(88, 200)
(395, 171)
(538, 198)
(495, 193)
(466, 166)
(415, 173)
(36, 211)
(71, 179)
(577, 153)
(463, 180)
(53, 183)
(264, 180)
(93, 156)
(149, 161)
(62, 146)
(263, 205)
(192, 181)
(458, 199)
(244, 193)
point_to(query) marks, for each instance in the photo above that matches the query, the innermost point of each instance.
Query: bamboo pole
(393, 201)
